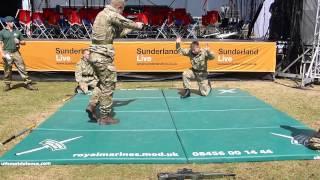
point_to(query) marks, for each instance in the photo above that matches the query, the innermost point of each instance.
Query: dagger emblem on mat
(51, 144)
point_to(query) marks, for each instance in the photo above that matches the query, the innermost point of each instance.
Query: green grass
(20, 108)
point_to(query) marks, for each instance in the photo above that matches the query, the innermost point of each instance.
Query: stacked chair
(161, 22)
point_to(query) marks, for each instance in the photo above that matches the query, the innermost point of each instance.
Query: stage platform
(156, 126)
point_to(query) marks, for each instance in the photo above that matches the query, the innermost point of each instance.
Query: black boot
(91, 110)
(107, 120)
(186, 93)
(30, 87)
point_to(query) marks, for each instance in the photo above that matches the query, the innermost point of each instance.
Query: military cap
(9, 19)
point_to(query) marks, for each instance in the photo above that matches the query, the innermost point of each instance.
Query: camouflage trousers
(95, 92)
(89, 86)
(17, 60)
(201, 77)
(107, 78)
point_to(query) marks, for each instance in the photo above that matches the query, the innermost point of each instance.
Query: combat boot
(7, 87)
(31, 88)
(106, 120)
(186, 93)
(91, 110)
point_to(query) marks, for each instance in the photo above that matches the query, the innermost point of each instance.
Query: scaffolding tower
(309, 59)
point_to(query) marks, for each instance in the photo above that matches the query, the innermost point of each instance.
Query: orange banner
(153, 56)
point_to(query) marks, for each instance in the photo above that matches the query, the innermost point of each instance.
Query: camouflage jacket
(84, 73)
(109, 24)
(199, 62)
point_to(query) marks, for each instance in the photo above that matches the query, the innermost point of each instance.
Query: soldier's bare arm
(180, 50)
(20, 40)
(1, 45)
(17, 41)
(209, 54)
(1, 49)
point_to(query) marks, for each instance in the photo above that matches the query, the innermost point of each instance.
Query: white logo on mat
(296, 140)
(53, 145)
(223, 91)
(316, 157)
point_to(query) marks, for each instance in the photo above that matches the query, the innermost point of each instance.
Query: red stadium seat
(53, 19)
(92, 14)
(142, 17)
(67, 11)
(76, 27)
(24, 17)
(37, 16)
(171, 17)
(180, 11)
(211, 18)
(205, 20)
(47, 12)
(74, 18)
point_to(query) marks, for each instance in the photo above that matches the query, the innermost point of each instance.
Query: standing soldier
(10, 41)
(109, 24)
(199, 70)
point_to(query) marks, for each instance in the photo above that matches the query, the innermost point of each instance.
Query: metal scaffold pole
(311, 69)
(309, 59)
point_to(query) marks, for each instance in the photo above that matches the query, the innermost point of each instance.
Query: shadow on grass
(20, 85)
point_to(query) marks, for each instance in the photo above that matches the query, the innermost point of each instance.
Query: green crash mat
(156, 126)
(213, 102)
(136, 110)
(259, 118)
(88, 147)
(230, 125)
(238, 145)
(145, 134)
(129, 121)
(138, 104)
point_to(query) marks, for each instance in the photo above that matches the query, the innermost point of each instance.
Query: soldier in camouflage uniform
(10, 41)
(109, 24)
(84, 74)
(199, 59)
(86, 78)
(314, 141)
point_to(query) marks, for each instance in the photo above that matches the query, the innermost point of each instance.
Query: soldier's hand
(7, 56)
(83, 87)
(139, 25)
(17, 41)
(178, 39)
(112, 68)
(207, 47)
